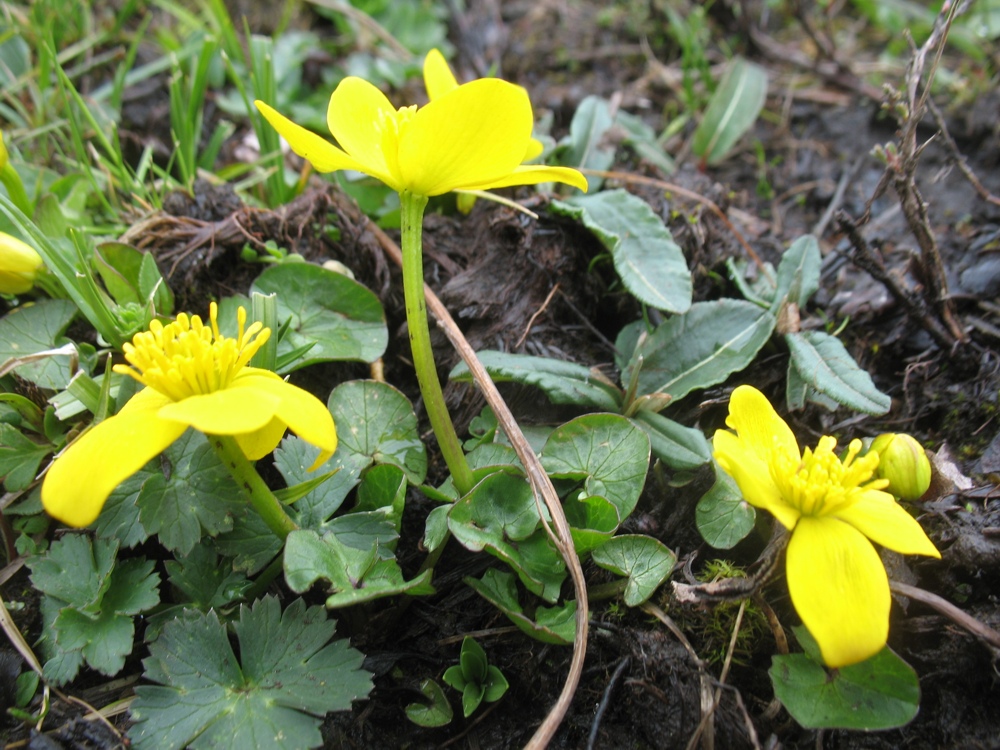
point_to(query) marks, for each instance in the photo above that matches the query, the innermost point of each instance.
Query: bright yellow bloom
(440, 80)
(19, 264)
(832, 507)
(194, 377)
(471, 137)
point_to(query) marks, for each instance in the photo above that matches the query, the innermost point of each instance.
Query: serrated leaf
(649, 262)
(377, 421)
(34, 328)
(585, 146)
(20, 458)
(499, 515)
(827, 366)
(551, 624)
(798, 273)
(679, 447)
(192, 495)
(644, 560)
(74, 571)
(291, 675)
(294, 457)
(562, 382)
(119, 518)
(731, 111)
(354, 575)
(882, 692)
(335, 316)
(702, 347)
(89, 603)
(436, 712)
(607, 452)
(723, 517)
(250, 544)
(204, 581)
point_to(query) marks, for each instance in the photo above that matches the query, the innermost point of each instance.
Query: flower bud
(18, 265)
(903, 462)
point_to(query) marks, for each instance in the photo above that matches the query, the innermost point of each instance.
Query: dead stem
(540, 483)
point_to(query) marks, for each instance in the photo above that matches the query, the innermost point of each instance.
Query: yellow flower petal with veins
(471, 137)
(194, 377)
(832, 506)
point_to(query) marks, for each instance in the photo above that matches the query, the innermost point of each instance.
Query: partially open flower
(902, 461)
(19, 264)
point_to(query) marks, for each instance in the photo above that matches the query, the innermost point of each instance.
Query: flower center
(390, 127)
(188, 358)
(821, 484)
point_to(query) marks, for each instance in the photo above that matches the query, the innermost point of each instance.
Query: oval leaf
(731, 111)
(702, 347)
(824, 364)
(649, 262)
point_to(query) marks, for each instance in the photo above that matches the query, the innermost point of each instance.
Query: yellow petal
(261, 442)
(534, 174)
(534, 150)
(753, 477)
(79, 481)
(759, 426)
(472, 136)
(230, 411)
(364, 123)
(324, 156)
(304, 414)
(878, 516)
(839, 588)
(438, 78)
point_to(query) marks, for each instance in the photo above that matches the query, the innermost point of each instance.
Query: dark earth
(805, 160)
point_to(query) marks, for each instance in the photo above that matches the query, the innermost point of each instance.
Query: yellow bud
(903, 462)
(18, 265)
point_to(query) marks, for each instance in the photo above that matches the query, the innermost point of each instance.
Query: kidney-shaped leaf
(646, 561)
(607, 452)
(333, 315)
(882, 692)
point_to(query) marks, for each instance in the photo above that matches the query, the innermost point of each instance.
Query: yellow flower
(194, 377)
(832, 507)
(471, 137)
(19, 263)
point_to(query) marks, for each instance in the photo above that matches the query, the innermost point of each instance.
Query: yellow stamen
(187, 358)
(822, 484)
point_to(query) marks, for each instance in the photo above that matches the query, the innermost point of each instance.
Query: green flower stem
(261, 497)
(411, 227)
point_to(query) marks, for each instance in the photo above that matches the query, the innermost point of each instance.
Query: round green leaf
(882, 692)
(646, 561)
(723, 517)
(607, 452)
(333, 315)
(375, 420)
